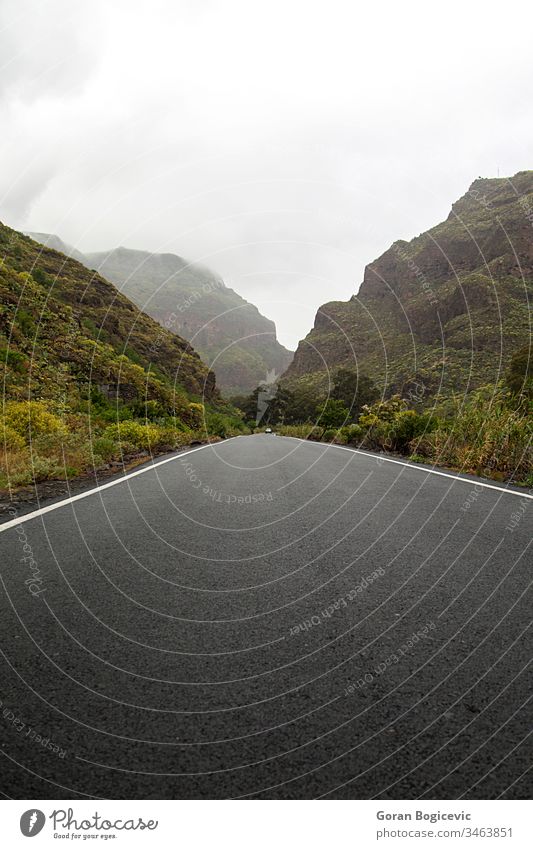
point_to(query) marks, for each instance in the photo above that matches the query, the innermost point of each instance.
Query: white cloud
(285, 144)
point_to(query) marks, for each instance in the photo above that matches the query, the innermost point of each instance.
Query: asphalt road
(269, 618)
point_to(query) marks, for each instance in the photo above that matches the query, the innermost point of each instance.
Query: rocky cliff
(443, 312)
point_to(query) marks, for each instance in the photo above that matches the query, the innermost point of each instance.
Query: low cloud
(285, 145)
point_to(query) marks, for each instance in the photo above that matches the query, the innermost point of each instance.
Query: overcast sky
(284, 143)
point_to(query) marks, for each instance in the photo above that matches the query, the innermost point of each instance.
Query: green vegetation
(489, 434)
(444, 313)
(190, 300)
(87, 378)
(332, 414)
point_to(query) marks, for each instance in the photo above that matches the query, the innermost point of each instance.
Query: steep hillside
(442, 313)
(230, 334)
(65, 326)
(89, 382)
(57, 244)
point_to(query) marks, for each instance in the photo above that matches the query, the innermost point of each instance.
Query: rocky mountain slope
(229, 333)
(65, 331)
(440, 314)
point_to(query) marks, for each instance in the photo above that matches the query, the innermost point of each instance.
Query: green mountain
(440, 314)
(90, 383)
(63, 326)
(229, 333)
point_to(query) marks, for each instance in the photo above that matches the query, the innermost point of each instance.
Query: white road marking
(42, 510)
(418, 468)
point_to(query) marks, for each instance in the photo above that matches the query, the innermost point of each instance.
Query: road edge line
(12, 523)
(416, 467)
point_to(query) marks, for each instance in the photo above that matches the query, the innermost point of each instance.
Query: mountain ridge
(445, 310)
(229, 333)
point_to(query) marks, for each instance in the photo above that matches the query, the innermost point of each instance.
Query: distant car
(268, 430)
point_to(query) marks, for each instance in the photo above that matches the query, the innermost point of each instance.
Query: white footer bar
(257, 824)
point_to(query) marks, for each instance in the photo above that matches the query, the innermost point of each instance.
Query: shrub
(353, 435)
(105, 448)
(11, 440)
(130, 433)
(332, 414)
(485, 436)
(382, 411)
(194, 416)
(406, 426)
(32, 418)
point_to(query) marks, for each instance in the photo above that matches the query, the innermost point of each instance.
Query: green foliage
(41, 277)
(31, 419)
(353, 434)
(134, 433)
(194, 416)
(105, 448)
(354, 390)
(11, 440)
(329, 435)
(487, 435)
(332, 414)
(14, 359)
(86, 377)
(519, 376)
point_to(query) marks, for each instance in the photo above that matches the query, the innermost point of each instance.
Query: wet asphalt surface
(269, 618)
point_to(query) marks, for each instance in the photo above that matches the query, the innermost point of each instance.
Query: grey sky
(285, 144)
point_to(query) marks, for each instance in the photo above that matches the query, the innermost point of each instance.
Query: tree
(354, 390)
(332, 414)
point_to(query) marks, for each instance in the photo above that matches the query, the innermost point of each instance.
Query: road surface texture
(269, 618)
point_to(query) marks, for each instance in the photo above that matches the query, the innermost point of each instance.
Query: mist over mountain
(442, 313)
(230, 334)
(64, 329)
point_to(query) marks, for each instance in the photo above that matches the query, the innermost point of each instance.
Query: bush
(194, 416)
(105, 448)
(11, 440)
(389, 425)
(130, 433)
(406, 426)
(353, 435)
(31, 419)
(485, 436)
